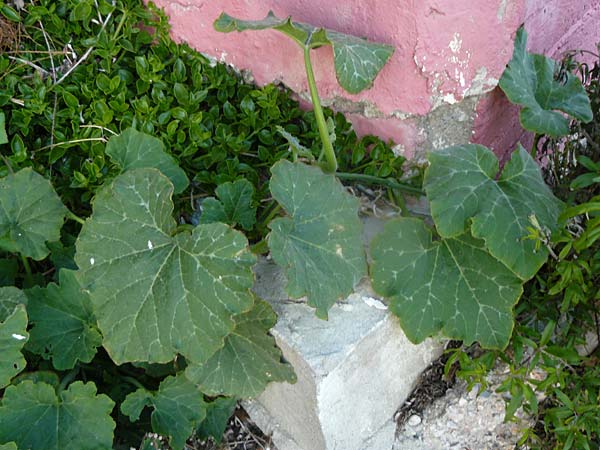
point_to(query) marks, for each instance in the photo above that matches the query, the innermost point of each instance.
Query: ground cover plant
(143, 311)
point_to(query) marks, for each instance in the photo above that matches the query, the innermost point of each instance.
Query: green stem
(119, 26)
(67, 380)
(260, 248)
(28, 273)
(330, 164)
(183, 227)
(399, 200)
(534, 147)
(77, 219)
(371, 179)
(272, 213)
(134, 382)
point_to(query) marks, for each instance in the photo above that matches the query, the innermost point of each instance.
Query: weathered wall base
(354, 371)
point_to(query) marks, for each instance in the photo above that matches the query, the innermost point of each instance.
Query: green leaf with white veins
(10, 298)
(13, 336)
(35, 417)
(357, 61)
(133, 149)
(31, 214)
(453, 285)
(158, 292)
(248, 361)
(64, 326)
(234, 205)
(529, 81)
(320, 244)
(178, 407)
(464, 194)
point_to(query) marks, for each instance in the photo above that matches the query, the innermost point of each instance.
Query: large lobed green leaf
(157, 292)
(133, 149)
(357, 61)
(233, 207)
(320, 244)
(178, 408)
(218, 413)
(35, 417)
(529, 81)
(247, 362)
(31, 214)
(10, 298)
(464, 193)
(13, 333)
(64, 326)
(453, 285)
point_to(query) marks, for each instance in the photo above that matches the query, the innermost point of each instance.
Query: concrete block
(354, 371)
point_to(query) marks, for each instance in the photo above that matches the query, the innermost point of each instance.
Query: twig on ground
(30, 64)
(86, 54)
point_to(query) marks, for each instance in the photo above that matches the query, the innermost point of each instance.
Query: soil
(431, 385)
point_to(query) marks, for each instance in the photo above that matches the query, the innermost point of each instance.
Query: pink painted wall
(446, 51)
(554, 27)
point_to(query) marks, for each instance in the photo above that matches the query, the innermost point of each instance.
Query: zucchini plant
(152, 294)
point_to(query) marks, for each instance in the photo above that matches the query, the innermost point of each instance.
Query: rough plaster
(448, 54)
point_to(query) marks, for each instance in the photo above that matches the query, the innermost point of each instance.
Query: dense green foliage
(143, 311)
(217, 127)
(554, 371)
(135, 313)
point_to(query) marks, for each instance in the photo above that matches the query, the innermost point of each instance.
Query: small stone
(462, 402)
(414, 420)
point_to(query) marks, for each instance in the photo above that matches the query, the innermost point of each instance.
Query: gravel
(462, 420)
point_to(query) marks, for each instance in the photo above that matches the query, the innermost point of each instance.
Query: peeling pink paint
(428, 66)
(462, 49)
(446, 50)
(404, 133)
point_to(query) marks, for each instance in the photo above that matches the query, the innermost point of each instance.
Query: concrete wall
(438, 87)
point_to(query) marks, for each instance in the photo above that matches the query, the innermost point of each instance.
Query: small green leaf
(82, 11)
(357, 61)
(453, 285)
(64, 327)
(133, 149)
(233, 207)
(320, 245)
(30, 214)
(218, 413)
(547, 333)
(529, 81)
(178, 408)
(187, 286)
(466, 194)
(13, 336)
(248, 361)
(18, 148)
(181, 94)
(36, 418)
(10, 13)
(3, 136)
(515, 403)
